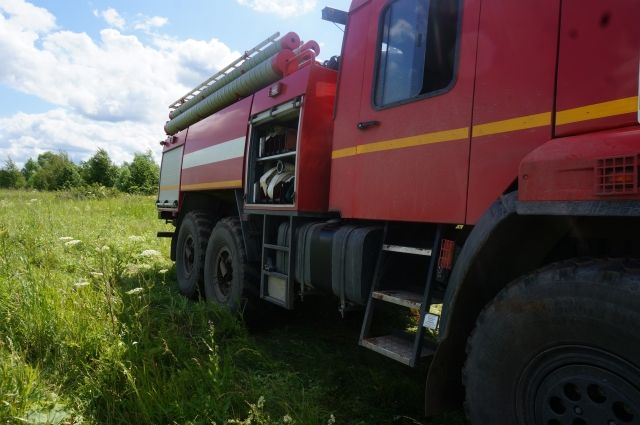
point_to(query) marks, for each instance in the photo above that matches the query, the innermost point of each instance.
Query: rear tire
(226, 267)
(191, 246)
(559, 346)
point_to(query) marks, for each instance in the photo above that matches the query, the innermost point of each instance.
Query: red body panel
(318, 85)
(221, 127)
(511, 81)
(349, 91)
(565, 169)
(598, 60)
(178, 139)
(427, 182)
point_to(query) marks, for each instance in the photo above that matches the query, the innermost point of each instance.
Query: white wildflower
(135, 291)
(72, 242)
(332, 420)
(135, 238)
(65, 238)
(163, 271)
(81, 284)
(287, 419)
(103, 248)
(149, 253)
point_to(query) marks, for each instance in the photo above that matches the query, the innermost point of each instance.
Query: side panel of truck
(414, 154)
(513, 101)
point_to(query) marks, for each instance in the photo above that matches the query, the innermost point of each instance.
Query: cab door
(408, 148)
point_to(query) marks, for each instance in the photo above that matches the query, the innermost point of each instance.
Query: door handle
(363, 125)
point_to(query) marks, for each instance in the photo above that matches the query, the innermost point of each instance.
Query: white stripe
(216, 153)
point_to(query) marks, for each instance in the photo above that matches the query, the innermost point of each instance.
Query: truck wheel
(225, 265)
(559, 346)
(190, 250)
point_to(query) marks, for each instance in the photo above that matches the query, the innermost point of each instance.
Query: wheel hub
(188, 254)
(580, 386)
(224, 272)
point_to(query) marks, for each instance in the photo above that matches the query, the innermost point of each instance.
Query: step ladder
(277, 281)
(205, 85)
(406, 349)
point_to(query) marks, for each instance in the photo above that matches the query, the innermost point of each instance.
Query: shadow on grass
(187, 361)
(360, 386)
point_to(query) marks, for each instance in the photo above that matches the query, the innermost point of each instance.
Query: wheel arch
(510, 240)
(502, 246)
(220, 203)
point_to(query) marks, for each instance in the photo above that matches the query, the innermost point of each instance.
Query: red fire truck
(471, 165)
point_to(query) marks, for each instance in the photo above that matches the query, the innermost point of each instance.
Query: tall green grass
(93, 331)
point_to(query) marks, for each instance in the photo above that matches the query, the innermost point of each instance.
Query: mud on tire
(559, 346)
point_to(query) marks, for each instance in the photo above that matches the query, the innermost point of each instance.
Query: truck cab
(473, 165)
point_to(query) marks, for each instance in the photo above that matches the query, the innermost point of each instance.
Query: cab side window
(417, 49)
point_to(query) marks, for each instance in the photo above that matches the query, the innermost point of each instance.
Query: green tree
(99, 169)
(30, 168)
(145, 173)
(10, 176)
(56, 172)
(123, 181)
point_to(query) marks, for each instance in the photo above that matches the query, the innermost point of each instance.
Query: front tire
(226, 266)
(559, 346)
(191, 246)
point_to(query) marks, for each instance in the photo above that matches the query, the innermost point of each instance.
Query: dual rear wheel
(211, 260)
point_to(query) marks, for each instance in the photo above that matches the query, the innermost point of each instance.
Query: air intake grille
(617, 175)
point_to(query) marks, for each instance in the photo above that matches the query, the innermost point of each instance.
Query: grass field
(92, 330)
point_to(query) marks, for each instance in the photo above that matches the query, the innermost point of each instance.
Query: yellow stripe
(341, 153)
(598, 110)
(405, 142)
(513, 124)
(584, 113)
(229, 184)
(170, 187)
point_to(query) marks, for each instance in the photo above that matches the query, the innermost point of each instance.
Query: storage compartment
(272, 165)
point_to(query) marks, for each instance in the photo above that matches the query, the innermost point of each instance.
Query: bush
(10, 176)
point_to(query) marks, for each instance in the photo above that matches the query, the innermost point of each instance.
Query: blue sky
(80, 75)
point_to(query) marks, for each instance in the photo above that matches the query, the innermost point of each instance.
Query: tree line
(55, 171)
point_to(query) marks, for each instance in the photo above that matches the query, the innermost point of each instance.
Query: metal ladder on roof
(399, 345)
(207, 84)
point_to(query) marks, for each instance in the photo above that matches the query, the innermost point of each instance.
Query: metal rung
(275, 274)
(395, 347)
(276, 247)
(404, 298)
(407, 249)
(223, 72)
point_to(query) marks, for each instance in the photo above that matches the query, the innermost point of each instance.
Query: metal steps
(404, 298)
(277, 267)
(409, 350)
(395, 347)
(406, 249)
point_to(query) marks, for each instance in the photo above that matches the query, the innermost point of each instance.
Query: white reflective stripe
(216, 153)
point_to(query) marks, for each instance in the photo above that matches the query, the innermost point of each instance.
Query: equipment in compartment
(279, 140)
(272, 169)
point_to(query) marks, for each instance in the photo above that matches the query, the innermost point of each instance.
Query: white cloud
(26, 16)
(147, 23)
(111, 17)
(80, 137)
(111, 92)
(283, 8)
